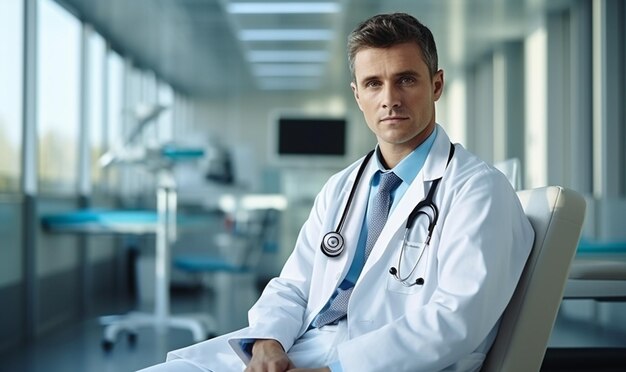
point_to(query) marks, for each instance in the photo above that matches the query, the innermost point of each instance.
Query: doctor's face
(397, 95)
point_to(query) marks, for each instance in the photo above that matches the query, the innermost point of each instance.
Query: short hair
(387, 30)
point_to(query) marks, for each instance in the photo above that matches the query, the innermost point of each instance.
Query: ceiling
(209, 48)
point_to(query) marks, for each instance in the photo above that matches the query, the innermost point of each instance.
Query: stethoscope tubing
(359, 174)
(333, 242)
(428, 202)
(397, 275)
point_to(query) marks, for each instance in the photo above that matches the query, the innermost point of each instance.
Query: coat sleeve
(484, 242)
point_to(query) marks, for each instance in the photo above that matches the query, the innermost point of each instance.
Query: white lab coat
(477, 253)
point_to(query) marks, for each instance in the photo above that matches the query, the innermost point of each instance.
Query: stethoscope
(333, 242)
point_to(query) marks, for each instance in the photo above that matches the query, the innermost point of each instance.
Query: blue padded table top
(198, 263)
(101, 221)
(588, 246)
(108, 221)
(178, 153)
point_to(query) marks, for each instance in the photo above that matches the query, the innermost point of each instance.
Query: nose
(391, 98)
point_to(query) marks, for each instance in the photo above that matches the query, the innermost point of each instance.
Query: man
(408, 258)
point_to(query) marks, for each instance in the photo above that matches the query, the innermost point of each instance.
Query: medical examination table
(138, 222)
(598, 271)
(163, 224)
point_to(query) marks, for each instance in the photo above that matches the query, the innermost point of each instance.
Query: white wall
(228, 123)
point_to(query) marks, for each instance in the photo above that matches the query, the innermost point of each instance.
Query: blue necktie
(376, 219)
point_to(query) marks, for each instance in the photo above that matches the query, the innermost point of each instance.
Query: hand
(323, 369)
(268, 356)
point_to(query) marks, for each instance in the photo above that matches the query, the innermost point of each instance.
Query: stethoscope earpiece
(394, 272)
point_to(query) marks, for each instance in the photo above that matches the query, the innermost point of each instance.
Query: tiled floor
(77, 348)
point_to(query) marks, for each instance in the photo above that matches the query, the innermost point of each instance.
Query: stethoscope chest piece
(332, 244)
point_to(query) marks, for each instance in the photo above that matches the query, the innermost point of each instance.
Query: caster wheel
(107, 345)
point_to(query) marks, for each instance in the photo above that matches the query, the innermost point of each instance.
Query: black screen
(311, 136)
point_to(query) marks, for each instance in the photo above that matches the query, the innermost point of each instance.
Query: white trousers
(316, 348)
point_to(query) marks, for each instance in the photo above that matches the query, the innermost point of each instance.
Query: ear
(438, 85)
(355, 91)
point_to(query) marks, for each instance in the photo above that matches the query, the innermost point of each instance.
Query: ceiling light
(283, 8)
(288, 56)
(284, 69)
(289, 83)
(285, 34)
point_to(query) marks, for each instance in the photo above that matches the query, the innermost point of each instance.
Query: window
(536, 111)
(11, 32)
(182, 115)
(145, 85)
(114, 113)
(115, 75)
(97, 50)
(58, 98)
(165, 126)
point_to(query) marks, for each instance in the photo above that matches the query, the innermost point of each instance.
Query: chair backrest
(556, 214)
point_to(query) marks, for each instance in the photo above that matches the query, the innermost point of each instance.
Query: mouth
(393, 119)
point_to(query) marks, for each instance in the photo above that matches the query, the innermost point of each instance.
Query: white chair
(512, 169)
(556, 215)
(597, 277)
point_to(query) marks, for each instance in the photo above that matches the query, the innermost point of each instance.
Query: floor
(78, 347)
(585, 339)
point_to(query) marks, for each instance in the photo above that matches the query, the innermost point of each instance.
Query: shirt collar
(410, 166)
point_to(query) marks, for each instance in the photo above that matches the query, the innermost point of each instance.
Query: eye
(406, 80)
(372, 84)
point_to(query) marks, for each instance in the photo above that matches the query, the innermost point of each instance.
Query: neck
(392, 154)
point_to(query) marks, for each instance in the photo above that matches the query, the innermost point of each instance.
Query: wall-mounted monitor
(311, 136)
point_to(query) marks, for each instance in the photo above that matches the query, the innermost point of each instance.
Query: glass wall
(114, 113)
(165, 126)
(58, 98)
(96, 75)
(11, 39)
(115, 76)
(148, 97)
